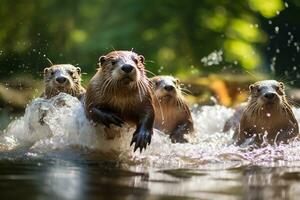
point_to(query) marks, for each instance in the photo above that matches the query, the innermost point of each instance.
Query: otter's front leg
(177, 135)
(143, 133)
(106, 117)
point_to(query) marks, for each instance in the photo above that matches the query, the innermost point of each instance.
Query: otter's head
(268, 92)
(61, 78)
(124, 67)
(166, 88)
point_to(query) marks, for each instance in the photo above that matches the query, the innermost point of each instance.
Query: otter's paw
(141, 138)
(107, 118)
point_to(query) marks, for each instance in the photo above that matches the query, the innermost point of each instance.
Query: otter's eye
(113, 62)
(258, 90)
(157, 83)
(135, 60)
(71, 73)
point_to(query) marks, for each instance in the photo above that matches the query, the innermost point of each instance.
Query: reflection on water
(64, 182)
(60, 179)
(68, 158)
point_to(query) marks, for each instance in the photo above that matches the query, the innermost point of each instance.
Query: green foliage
(172, 34)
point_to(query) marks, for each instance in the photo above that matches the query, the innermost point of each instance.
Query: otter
(267, 117)
(62, 78)
(120, 92)
(172, 114)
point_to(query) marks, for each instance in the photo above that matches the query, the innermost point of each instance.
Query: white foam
(65, 125)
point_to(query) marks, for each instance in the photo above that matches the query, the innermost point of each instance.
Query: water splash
(214, 58)
(59, 123)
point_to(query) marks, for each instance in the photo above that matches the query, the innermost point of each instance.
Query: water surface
(68, 158)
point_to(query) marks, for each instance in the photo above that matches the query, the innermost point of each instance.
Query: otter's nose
(61, 79)
(169, 88)
(270, 95)
(127, 68)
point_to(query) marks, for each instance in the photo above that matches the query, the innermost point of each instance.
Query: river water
(66, 157)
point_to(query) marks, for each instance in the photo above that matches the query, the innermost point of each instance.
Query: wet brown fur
(132, 102)
(172, 114)
(276, 119)
(73, 86)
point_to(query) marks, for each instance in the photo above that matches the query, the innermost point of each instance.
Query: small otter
(62, 78)
(120, 91)
(267, 117)
(172, 114)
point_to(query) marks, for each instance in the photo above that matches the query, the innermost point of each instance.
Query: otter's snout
(127, 68)
(270, 96)
(61, 79)
(169, 88)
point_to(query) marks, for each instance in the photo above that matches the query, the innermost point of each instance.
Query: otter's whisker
(105, 86)
(160, 107)
(139, 92)
(150, 72)
(187, 91)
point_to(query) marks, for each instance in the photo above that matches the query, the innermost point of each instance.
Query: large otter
(172, 114)
(62, 78)
(267, 117)
(121, 91)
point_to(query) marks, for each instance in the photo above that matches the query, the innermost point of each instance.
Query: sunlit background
(216, 47)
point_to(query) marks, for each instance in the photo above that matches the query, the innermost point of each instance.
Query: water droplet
(286, 4)
(276, 29)
(286, 73)
(273, 63)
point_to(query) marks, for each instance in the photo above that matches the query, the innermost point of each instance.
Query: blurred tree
(174, 36)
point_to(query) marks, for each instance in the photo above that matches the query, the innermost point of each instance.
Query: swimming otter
(267, 118)
(62, 78)
(172, 114)
(120, 91)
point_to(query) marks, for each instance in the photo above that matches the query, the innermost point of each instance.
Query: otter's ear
(46, 70)
(78, 69)
(177, 81)
(281, 85)
(102, 60)
(251, 87)
(142, 59)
